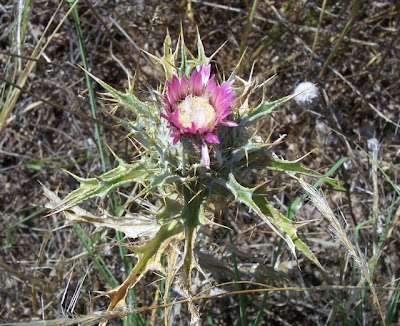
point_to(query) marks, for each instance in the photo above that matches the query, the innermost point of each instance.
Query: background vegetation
(349, 48)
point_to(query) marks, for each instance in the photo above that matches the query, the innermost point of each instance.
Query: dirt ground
(351, 52)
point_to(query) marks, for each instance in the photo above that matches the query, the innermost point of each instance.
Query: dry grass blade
(76, 113)
(26, 278)
(320, 202)
(96, 318)
(36, 54)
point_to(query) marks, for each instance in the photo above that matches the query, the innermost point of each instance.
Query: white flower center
(196, 109)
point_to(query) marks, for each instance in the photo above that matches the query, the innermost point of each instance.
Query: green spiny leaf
(137, 131)
(149, 253)
(167, 230)
(159, 180)
(282, 226)
(244, 150)
(171, 210)
(259, 158)
(128, 99)
(185, 68)
(287, 166)
(262, 110)
(201, 56)
(242, 194)
(168, 59)
(288, 226)
(245, 196)
(137, 106)
(123, 174)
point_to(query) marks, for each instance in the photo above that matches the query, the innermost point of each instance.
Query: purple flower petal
(205, 157)
(173, 90)
(193, 128)
(204, 71)
(176, 136)
(183, 91)
(228, 123)
(211, 86)
(211, 138)
(198, 84)
(174, 118)
(192, 81)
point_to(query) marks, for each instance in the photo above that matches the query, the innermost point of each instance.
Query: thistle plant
(197, 145)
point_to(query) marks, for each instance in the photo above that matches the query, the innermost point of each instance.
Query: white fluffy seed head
(305, 93)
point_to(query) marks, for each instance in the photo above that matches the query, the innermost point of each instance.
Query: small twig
(353, 15)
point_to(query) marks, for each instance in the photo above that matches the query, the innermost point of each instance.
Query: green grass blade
(97, 259)
(88, 83)
(242, 298)
(29, 217)
(247, 30)
(261, 310)
(13, 66)
(10, 240)
(318, 183)
(393, 306)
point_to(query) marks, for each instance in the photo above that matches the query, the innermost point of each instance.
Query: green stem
(192, 216)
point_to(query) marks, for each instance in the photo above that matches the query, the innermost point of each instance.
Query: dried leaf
(133, 225)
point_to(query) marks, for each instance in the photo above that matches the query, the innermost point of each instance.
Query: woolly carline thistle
(196, 106)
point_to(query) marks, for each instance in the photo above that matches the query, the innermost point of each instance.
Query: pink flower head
(197, 106)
